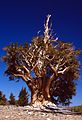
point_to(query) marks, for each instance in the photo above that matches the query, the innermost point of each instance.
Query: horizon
(21, 21)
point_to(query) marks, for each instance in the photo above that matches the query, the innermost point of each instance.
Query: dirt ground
(21, 113)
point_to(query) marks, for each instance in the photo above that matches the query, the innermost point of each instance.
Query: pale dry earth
(23, 113)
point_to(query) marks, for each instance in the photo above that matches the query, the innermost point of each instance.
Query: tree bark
(40, 89)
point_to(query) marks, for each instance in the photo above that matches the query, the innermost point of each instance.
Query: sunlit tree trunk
(40, 89)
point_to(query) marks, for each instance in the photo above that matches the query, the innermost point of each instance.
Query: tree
(23, 97)
(1, 95)
(53, 62)
(12, 99)
(3, 99)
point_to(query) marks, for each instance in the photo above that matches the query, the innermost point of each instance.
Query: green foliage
(12, 99)
(65, 88)
(23, 97)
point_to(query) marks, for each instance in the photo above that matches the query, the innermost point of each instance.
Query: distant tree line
(22, 98)
(77, 108)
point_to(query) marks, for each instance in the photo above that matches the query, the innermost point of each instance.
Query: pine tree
(0, 95)
(23, 97)
(12, 99)
(3, 99)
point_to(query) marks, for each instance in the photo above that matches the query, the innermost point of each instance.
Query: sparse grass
(77, 108)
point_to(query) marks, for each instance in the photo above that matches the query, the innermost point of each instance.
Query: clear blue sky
(20, 20)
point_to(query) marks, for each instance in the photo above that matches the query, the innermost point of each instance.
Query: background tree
(23, 97)
(53, 62)
(0, 95)
(3, 99)
(12, 99)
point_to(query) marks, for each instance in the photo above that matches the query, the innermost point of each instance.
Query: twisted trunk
(40, 89)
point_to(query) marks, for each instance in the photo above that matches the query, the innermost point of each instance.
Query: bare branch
(34, 67)
(54, 40)
(53, 68)
(46, 32)
(55, 46)
(26, 69)
(64, 70)
(63, 63)
(22, 76)
(51, 58)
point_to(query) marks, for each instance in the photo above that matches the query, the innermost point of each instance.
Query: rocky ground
(28, 113)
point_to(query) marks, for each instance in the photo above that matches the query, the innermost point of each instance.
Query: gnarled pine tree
(48, 66)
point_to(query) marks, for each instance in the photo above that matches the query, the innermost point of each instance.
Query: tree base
(42, 105)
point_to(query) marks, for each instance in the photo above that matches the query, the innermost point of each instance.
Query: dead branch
(64, 70)
(20, 75)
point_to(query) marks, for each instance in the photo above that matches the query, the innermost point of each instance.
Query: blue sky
(20, 20)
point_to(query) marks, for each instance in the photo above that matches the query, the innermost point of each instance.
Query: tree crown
(45, 56)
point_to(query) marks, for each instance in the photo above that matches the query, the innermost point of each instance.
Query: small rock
(43, 114)
(30, 113)
(48, 119)
(6, 117)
